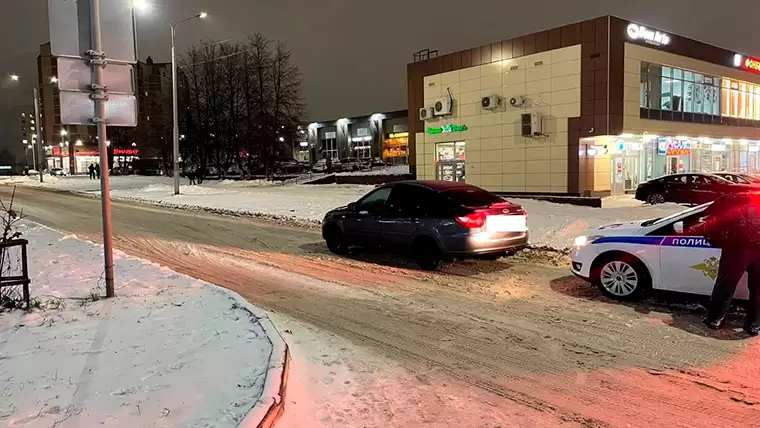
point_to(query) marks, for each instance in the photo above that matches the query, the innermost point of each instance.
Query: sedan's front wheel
(335, 240)
(622, 277)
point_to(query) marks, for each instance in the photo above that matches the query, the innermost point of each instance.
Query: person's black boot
(752, 329)
(712, 324)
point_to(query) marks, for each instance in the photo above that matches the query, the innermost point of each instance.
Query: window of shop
(330, 148)
(362, 147)
(450, 161)
(740, 99)
(395, 148)
(677, 90)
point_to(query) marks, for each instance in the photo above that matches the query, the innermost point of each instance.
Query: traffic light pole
(99, 96)
(37, 142)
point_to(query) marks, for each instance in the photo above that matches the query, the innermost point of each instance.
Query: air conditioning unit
(442, 106)
(530, 124)
(427, 113)
(517, 101)
(490, 102)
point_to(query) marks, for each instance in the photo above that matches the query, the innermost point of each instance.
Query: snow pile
(388, 170)
(169, 351)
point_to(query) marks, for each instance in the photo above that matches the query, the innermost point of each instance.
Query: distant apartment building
(154, 87)
(153, 91)
(59, 140)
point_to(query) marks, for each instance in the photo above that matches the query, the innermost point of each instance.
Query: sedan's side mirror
(678, 227)
(352, 206)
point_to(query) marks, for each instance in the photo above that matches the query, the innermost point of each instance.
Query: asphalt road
(541, 344)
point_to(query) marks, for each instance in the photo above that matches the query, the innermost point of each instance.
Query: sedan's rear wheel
(656, 198)
(427, 254)
(622, 277)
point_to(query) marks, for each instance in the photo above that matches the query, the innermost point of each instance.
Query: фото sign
(747, 63)
(641, 33)
(446, 129)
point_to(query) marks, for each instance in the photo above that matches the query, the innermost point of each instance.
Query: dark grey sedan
(432, 220)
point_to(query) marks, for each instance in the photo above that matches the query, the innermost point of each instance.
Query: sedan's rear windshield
(471, 197)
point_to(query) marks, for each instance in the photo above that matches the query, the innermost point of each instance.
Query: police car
(625, 260)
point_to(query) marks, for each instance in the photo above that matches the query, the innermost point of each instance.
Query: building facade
(154, 119)
(594, 107)
(381, 135)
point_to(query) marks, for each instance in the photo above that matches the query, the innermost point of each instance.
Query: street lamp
(175, 136)
(53, 79)
(63, 132)
(14, 77)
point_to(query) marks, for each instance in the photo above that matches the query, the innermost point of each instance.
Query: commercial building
(594, 107)
(154, 119)
(380, 135)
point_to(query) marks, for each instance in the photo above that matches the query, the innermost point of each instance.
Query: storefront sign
(446, 129)
(126, 152)
(399, 135)
(747, 63)
(674, 148)
(718, 148)
(644, 34)
(596, 150)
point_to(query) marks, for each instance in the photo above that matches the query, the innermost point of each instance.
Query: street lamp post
(175, 132)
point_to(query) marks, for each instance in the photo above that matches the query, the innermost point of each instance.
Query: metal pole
(37, 129)
(175, 136)
(98, 62)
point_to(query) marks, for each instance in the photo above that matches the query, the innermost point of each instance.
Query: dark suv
(432, 220)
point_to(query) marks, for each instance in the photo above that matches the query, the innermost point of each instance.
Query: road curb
(271, 405)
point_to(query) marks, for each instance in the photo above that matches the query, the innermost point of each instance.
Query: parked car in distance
(432, 220)
(58, 172)
(286, 166)
(321, 166)
(739, 178)
(689, 188)
(351, 164)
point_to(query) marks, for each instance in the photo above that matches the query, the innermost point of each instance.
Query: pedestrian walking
(191, 176)
(91, 170)
(97, 170)
(733, 224)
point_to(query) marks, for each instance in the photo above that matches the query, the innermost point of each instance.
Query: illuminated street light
(202, 15)
(14, 77)
(282, 139)
(63, 133)
(140, 5)
(53, 79)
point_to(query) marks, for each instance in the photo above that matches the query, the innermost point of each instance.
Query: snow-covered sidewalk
(168, 351)
(554, 225)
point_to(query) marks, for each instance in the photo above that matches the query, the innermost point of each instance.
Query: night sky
(353, 53)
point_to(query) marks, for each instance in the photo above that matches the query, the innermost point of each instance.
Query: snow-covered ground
(169, 351)
(551, 224)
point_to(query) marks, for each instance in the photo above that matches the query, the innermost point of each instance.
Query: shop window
(395, 148)
(679, 90)
(330, 148)
(741, 100)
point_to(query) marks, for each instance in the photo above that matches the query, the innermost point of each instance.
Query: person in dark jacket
(733, 224)
(91, 170)
(97, 171)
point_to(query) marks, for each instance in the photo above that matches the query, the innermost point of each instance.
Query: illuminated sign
(399, 135)
(671, 147)
(644, 34)
(126, 152)
(446, 129)
(747, 63)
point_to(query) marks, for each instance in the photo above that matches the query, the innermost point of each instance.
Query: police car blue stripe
(641, 240)
(667, 241)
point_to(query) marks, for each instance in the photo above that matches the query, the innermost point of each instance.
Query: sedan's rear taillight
(474, 220)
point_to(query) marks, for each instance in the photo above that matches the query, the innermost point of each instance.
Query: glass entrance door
(631, 173)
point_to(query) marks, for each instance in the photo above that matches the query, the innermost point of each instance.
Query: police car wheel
(622, 277)
(656, 198)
